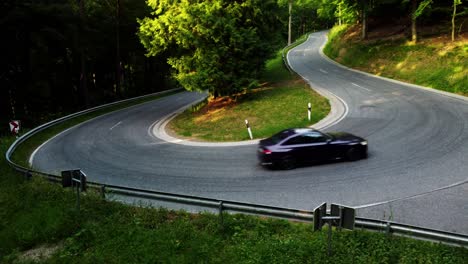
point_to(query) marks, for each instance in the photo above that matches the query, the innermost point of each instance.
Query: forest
(61, 56)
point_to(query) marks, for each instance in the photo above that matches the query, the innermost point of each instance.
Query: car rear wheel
(288, 163)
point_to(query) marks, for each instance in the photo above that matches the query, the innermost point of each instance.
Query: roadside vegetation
(434, 62)
(279, 103)
(39, 224)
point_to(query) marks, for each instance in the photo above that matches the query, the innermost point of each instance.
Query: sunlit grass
(438, 65)
(268, 111)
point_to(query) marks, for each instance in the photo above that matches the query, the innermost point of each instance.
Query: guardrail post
(388, 228)
(27, 175)
(330, 237)
(78, 197)
(103, 192)
(221, 220)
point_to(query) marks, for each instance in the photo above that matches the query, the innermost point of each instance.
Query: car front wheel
(353, 154)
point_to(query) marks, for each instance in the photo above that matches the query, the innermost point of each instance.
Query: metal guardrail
(285, 59)
(233, 206)
(293, 214)
(284, 54)
(40, 128)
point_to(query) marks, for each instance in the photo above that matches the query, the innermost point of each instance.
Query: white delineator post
(309, 110)
(248, 128)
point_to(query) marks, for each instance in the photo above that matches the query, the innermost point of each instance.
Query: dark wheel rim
(288, 163)
(353, 154)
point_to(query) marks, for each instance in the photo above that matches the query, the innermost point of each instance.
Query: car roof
(301, 130)
(296, 131)
(284, 134)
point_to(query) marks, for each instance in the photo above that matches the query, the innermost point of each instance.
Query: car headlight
(364, 143)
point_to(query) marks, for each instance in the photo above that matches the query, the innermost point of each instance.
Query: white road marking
(31, 158)
(413, 196)
(324, 71)
(369, 90)
(114, 126)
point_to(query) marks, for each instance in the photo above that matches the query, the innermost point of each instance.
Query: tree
(364, 5)
(417, 10)
(220, 46)
(455, 3)
(289, 21)
(343, 10)
(41, 66)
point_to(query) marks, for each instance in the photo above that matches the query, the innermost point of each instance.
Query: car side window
(314, 137)
(308, 138)
(296, 140)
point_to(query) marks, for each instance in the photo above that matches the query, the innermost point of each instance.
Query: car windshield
(328, 135)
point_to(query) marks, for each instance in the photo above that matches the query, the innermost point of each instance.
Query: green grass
(432, 63)
(281, 103)
(24, 151)
(268, 111)
(275, 69)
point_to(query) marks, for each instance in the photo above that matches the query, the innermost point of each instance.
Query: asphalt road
(416, 173)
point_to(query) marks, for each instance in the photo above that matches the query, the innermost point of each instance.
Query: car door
(308, 147)
(317, 147)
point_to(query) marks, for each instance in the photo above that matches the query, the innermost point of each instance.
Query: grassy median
(279, 103)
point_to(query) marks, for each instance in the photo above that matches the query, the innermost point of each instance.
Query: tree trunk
(339, 14)
(414, 32)
(118, 73)
(455, 3)
(364, 21)
(83, 77)
(290, 22)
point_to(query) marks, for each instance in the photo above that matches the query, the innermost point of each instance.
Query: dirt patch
(220, 102)
(40, 253)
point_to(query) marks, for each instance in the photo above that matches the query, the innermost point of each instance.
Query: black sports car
(290, 147)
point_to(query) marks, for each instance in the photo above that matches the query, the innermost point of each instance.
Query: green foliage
(344, 10)
(220, 46)
(334, 44)
(421, 7)
(436, 65)
(275, 70)
(40, 71)
(30, 211)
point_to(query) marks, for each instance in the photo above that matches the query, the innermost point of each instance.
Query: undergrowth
(432, 62)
